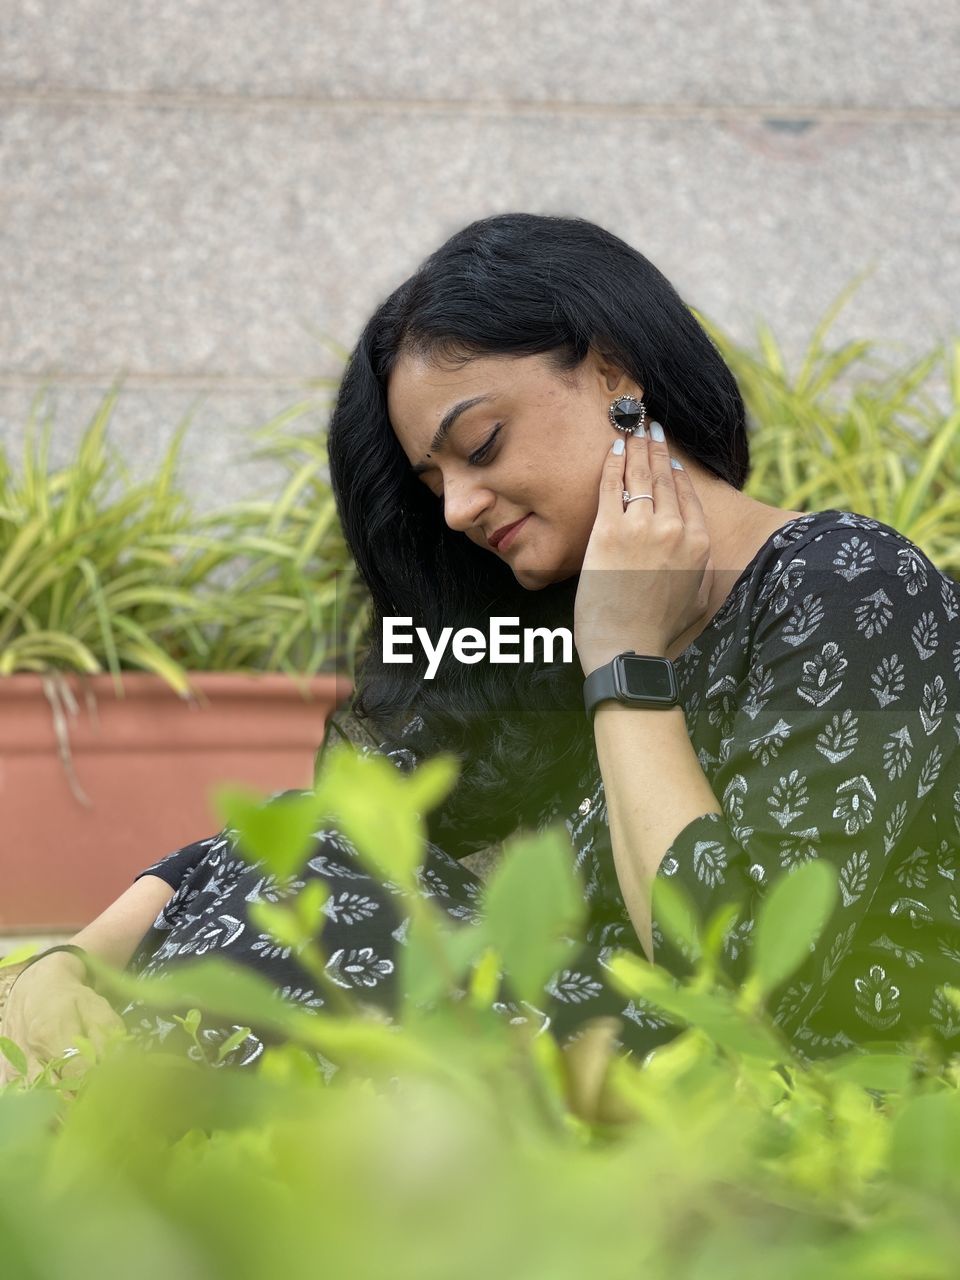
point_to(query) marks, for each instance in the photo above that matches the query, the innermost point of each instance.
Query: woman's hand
(647, 573)
(48, 1006)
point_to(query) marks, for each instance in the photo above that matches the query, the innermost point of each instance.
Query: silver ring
(69, 1053)
(627, 499)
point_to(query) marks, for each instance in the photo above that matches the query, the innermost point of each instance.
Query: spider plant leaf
(945, 439)
(140, 651)
(47, 651)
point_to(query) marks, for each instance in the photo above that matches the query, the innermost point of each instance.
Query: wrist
(635, 680)
(67, 963)
(598, 656)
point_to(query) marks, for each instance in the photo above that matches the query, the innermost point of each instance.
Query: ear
(612, 378)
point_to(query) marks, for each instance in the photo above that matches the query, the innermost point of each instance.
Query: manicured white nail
(640, 433)
(677, 466)
(619, 445)
(656, 432)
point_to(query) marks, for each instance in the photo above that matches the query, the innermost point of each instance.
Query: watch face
(647, 678)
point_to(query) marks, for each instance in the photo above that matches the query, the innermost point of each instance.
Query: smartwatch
(639, 680)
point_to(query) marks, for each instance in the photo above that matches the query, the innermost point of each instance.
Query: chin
(545, 571)
(532, 581)
(537, 579)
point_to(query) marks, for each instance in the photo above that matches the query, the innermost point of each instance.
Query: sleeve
(839, 744)
(176, 866)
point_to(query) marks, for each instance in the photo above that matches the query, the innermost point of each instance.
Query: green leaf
(14, 1055)
(886, 1072)
(190, 1022)
(278, 831)
(19, 954)
(232, 1042)
(715, 931)
(925, 1144)
(676, 916)
(280, 923)
(309, 907)
(532, 903)
(209, 985)
(789, 922)
(919, 488)
(297, 924)
(436, 956)
(235, 993)
(377, 807)
(432, 781)
(484, 982)
(713, 1012)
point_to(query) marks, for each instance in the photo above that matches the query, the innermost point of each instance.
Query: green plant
(453, 1142)
(98, 573)
(848, 430)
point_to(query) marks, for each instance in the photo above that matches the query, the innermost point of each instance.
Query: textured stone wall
(205, 196)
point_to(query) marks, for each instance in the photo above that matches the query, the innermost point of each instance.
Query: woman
(537, 375)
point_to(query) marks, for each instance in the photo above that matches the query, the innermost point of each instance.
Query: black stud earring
(627, 413)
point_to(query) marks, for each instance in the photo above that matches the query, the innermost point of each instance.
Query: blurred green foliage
(849, 429)
(100, 573)
(454, 1142)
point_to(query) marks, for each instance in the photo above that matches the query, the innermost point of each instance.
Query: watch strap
(598, 687)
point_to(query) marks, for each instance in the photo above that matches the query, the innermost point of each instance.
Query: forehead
(421, 391)
(419, 386)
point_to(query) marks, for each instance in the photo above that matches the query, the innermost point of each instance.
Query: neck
(738, 526)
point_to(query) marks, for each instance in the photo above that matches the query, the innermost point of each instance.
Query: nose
(464, 502)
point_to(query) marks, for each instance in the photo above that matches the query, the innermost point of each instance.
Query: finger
(661, 472)
(706, 584)
(101, 1022)
(689, 504)
(585, 1064)
(637, 473)
(612, 480)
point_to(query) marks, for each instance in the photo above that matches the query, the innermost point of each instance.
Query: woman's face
(524, 443)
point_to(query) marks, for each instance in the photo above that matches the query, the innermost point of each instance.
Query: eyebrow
(445, 427)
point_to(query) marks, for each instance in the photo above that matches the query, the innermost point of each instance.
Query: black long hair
(515, 284)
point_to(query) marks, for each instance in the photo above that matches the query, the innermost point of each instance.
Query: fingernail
(640, 433)
(656, 432)
(619, 445)
(677, 466)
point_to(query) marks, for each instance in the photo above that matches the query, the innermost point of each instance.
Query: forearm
(114, 935)
(654, 786)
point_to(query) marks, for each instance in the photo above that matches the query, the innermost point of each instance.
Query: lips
(499, 534)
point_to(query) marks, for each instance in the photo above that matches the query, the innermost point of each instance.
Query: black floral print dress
(822, 701)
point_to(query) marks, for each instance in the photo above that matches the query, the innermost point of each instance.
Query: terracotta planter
(146, 762)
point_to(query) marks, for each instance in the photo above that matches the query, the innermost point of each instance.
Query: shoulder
(842, 560)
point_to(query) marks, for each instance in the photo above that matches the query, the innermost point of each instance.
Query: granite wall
(208, 197)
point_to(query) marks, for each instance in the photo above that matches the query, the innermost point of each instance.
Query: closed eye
(480, 454)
